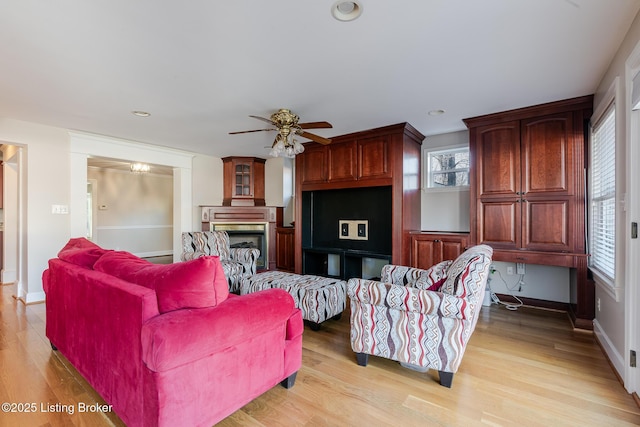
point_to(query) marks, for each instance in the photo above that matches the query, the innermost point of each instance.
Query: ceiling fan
(287, 124)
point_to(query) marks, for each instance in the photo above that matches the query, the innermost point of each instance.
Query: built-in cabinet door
(424, 252)
(342, 162)
(499, 223)
(313, 164)
(373, 157)
(547, 156)
(428, 249)
(547, 225)
(496, 149)
(285, 259)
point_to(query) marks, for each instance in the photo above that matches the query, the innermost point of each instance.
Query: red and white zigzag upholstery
(400, 319)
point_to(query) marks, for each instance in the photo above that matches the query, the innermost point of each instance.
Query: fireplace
(247, 235)
(247, 225)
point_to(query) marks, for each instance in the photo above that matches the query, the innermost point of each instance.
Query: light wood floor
(524, 368)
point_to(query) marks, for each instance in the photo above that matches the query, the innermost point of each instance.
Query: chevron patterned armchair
(420, 318)
(237, 263)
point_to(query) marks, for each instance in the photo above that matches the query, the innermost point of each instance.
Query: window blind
(603, 192)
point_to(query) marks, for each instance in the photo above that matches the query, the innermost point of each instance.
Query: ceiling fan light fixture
(286, 146)
(346, 10)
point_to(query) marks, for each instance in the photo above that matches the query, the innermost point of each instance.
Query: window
(448, 168)
(602, 194)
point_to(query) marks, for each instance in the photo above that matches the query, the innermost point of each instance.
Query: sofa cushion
(192, 284)
(82, 252)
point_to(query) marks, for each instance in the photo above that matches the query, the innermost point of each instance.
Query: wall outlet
(362, 229)
(353, 229)
(520, 268)
(510, 271)
(344, 229)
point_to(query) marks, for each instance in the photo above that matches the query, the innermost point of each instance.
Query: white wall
(456, 215)
(616, 323)
(279, 185)
(134, 212)
(207, 186)
(45, 175)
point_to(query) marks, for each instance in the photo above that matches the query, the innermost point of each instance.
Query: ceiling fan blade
(249, 131)
(315, 125)
(263, 119)
(315, 138)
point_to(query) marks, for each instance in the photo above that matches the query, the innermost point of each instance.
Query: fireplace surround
(247, 225)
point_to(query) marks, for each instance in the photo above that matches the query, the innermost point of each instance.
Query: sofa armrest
(183, 336)
(406, 298)
(247, 257)
(400, 275)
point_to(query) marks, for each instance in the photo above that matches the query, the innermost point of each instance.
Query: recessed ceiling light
(346, 10)
(140, 113)
(435, 112)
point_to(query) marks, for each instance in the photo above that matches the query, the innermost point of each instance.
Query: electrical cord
(496, 299)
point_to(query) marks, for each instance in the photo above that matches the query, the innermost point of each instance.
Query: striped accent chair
(420, 318)
(237, 263)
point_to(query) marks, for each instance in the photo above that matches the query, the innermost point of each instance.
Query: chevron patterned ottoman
(319, 298)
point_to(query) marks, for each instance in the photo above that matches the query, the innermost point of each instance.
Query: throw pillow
(433, 278)
(82, 252)
(197, 283)
(437, 285)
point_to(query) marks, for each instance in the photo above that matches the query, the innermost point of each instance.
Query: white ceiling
(201, 67)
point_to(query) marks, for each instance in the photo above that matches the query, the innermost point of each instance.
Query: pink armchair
(421, 318)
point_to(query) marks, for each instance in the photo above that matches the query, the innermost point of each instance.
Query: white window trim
(610, 287)
(425, 174)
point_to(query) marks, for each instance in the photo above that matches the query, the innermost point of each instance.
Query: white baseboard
(617, 360)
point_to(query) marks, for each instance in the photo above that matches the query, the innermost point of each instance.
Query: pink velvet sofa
(167, 345)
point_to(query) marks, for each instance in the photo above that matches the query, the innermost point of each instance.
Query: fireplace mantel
(246, 214)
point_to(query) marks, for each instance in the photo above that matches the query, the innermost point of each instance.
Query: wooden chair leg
(289, 381)
(446, 378)
(362, 359)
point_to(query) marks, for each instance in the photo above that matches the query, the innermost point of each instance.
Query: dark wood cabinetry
(350, 158)
(527, 183)
(428, 249)
(285, 245)
(525, 187)
(243, 181)
(387, 157)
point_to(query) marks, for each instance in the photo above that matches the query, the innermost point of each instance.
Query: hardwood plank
(526, 367)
